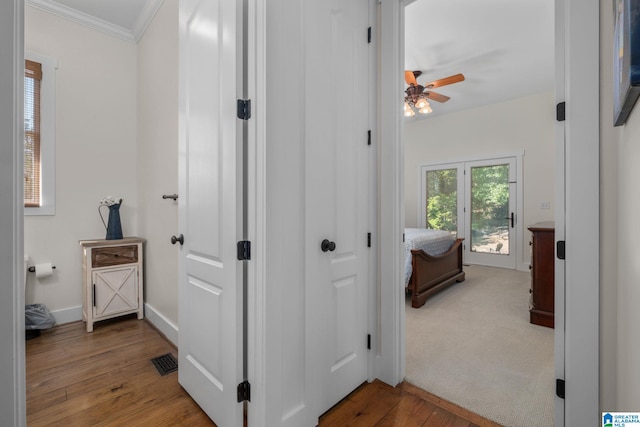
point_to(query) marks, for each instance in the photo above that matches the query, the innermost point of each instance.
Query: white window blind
(32, 163)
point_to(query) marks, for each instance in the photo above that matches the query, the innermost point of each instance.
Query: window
(39, 135)
(32, 81)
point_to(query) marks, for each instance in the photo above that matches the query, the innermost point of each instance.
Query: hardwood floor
(106, 378)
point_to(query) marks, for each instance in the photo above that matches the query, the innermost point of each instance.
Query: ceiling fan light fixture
(409, 112)
(426, 109)
(421, 103)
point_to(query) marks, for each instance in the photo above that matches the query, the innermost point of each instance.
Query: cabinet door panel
(116, 290)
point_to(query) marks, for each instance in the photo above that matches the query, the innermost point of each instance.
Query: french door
(475, 200)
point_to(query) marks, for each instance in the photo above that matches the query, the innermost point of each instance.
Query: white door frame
(12, 376)
(581, 339)
(255, 209)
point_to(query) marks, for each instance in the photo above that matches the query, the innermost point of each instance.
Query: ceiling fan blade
(436, 96)
(445, 81)
(410, 78)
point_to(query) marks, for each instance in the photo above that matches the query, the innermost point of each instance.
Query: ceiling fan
(417, 95)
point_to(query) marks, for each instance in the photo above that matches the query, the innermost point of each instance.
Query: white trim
(67, 315)
(82, 19)
(256, 208)
(373, 292)
(12, 351)
(164, 325)
(582, 202)
(129, 35)
(390, 363)
(560, 197)
(47, 135)
(147, 14)
(153, 316)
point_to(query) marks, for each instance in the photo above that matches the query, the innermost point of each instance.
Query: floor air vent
(165, 364)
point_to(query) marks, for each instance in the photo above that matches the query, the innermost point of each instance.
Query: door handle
(175, 240)
(327, 245)
(512, 218)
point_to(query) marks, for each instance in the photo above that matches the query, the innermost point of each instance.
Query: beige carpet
(473, 345)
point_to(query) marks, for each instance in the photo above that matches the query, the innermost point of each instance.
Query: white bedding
(433, 242)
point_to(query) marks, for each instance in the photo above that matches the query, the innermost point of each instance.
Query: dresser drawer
(103, 257)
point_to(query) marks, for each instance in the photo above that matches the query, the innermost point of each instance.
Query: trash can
(36, 318)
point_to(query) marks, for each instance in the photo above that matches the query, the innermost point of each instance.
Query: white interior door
(337, 195)
(210, 215)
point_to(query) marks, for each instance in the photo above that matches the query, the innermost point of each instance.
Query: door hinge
(368, 341)
(369, 137)
(560, 249)
(560, 111)
(402, 237)
(244, 250)
(244, 109)
(369, 35)
(368, 240)
(560, 388)
(244, 391)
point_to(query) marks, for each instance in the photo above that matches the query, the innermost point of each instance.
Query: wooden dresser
(542, 273)
(112, 281)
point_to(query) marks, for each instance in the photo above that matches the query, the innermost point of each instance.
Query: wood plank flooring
(106, 378)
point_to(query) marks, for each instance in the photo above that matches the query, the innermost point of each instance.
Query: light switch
(545, 205)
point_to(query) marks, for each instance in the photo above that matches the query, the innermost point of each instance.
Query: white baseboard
(163, 324)
(67, 315)
(74, 314)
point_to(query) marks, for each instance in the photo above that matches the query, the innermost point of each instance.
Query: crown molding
(147, 14)
(131, 36)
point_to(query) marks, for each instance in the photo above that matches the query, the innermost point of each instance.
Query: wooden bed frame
(433, 273)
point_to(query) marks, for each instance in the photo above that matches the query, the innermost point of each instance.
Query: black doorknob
(175, 239)
(327, 245)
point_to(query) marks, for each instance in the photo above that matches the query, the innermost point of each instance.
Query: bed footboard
(433, 273)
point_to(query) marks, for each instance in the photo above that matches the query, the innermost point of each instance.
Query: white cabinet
(112, 279)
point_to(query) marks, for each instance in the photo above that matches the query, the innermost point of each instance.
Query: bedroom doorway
(474, 147)
(476, 200)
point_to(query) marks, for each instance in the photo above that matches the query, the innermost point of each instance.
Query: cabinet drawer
(114, 255)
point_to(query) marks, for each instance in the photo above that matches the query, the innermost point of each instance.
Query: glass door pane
(442, 200)
(490, 209)
(491, 213)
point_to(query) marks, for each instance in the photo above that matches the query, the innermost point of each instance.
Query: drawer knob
(175, 239)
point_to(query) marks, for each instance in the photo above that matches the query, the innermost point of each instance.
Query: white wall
(96, 149)
(610, 207)
(158, 159)
(508, 127)
(622, 147)
(628, 292)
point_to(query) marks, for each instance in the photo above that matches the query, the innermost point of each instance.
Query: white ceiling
(504, 48)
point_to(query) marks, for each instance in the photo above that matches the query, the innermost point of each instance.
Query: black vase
(113, 224)
(114, 227)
